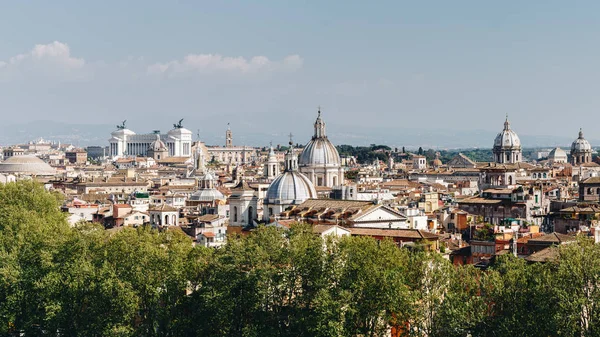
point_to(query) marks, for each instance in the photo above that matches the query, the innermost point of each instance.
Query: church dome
(507, 138)
(207, 195)
(158, 145)
(319, 151)
(557, 155)
(26, 164)
(291, 187)
(581, 144)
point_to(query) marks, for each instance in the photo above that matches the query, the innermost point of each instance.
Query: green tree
(373, 278)
(575, 286)
(32, 231)
(520, 294)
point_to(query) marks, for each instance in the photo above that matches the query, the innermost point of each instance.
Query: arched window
(545, 175)
(235, 214)
(250, 209)
(173, 220)
(166, 220)
(590, 191)
(510, 180)
(534, 175)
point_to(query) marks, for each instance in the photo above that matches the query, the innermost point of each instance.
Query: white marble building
(124, 142)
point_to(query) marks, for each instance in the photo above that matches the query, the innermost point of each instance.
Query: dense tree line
(86, 281)
(365, 154)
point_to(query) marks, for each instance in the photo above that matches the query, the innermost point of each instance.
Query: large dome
(557, 155)
(26, 165)
(207, 195)
(291, 187)
(581, 144)
(507, 138)
(319, 151)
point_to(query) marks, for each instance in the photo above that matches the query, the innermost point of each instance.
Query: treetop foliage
(86, 281)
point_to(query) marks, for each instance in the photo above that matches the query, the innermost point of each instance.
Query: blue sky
(267, 65)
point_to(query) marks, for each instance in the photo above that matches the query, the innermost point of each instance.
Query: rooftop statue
(178, 125)
(122, 126)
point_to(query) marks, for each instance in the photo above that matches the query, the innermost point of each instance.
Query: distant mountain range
(411, 138)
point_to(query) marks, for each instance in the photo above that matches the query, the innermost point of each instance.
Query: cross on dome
(506, 123)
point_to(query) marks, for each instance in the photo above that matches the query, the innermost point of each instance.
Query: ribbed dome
(26, 165)
(319, 151)
(291, 187)
(158, 146)
(557, 155)
(581, 144)
(507, 138)
(207, 194)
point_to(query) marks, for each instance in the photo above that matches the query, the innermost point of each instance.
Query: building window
(235, 214)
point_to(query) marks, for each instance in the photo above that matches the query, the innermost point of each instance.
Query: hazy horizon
(265, 67)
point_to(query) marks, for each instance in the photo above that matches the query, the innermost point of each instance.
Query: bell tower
(228, 137)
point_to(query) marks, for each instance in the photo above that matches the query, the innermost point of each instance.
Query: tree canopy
(87, 281)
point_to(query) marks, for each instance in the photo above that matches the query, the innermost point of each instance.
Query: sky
(265, 66)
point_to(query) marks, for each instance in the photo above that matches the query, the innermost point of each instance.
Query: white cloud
(55, 53)
(207, 63)
(53, 59)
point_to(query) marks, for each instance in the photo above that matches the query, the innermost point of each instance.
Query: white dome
(319, 152)
(507, 138)
(291, 187)
(581, 144)
(26, 165)
(207, 194)
(557, 155)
